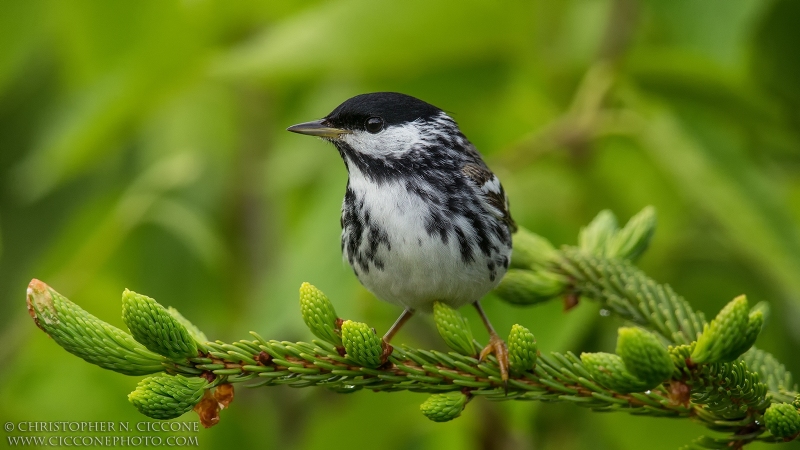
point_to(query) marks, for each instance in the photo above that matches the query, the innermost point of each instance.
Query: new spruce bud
(609, 370)
(453, 328)
(530, 250)
(782, 420)
(167, 396)
(444, 407)
(86, 336)
(764, 308)
(594, 237)
(525, 287)
(730, 334)
(361, 344)
(522, 349)
(644, 355)
(318, 314)
(680, 355)
(157, 329)
(755, 323)
(634, 238)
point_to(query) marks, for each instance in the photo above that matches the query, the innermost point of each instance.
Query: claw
(387, 351)
(498, 347)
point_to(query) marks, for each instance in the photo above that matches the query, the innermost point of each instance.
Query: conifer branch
(629, 293)
(683, 366)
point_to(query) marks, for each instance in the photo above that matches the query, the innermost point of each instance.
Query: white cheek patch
(394, 141)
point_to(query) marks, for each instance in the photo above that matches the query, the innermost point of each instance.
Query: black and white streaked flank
(423, 217)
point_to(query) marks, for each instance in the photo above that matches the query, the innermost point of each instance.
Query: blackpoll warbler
(423, 218)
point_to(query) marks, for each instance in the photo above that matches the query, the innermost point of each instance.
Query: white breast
(418, 268)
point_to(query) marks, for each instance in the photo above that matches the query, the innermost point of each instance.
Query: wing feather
(491, 192)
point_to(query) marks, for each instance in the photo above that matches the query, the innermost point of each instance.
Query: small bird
(423, 217)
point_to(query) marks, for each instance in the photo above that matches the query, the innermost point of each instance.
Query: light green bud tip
(318, 314)
(593, 238)
(522, 349)
(444, 407)
(730, 334)
(195, 332)
(609, 370)
(525, 287)
(644, 355)
(796, 402)
(157, 329)
(530, 250)
(86, 336)
(453, 328)
(634, 238)
(361, 344)
(166, 396)
(680, 354)
(782, 420)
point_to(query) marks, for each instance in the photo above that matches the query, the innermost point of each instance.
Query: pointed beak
(317, 128)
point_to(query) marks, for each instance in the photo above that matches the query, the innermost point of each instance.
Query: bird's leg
(387, 348)
(496, 345)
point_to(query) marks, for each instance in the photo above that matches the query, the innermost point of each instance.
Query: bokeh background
(142, 146)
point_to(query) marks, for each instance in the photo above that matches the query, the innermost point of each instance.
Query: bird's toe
(498, 348)
(387, 351)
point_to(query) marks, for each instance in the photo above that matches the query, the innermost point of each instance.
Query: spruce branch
(730, 390)
(556, 377)
(773, 373)
(671, 364)
(627, 292)
(88, 337)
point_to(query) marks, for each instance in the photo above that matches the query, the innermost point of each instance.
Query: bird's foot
(387, 351)
(497, 347)
(337, 328)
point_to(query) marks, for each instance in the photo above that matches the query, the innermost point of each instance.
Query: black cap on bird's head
(369, 112)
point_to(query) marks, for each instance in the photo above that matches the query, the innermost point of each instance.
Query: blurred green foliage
(142, 146)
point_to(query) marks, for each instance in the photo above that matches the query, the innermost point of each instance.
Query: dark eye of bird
(374, 124)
